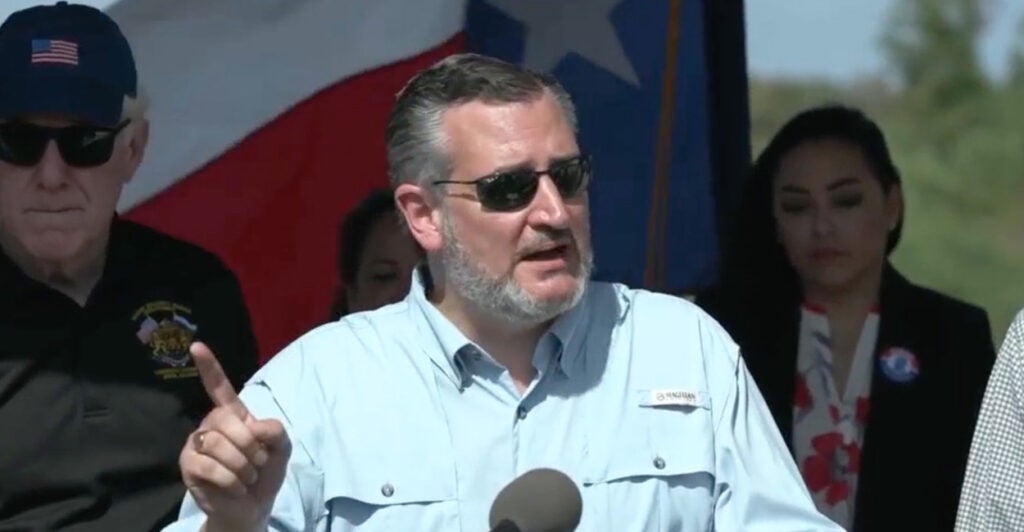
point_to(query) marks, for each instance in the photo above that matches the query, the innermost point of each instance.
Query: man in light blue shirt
(502, 359)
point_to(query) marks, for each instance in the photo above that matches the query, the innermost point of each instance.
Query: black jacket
(96, 401)
(918, 434)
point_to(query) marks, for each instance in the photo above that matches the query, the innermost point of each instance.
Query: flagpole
(654, 271)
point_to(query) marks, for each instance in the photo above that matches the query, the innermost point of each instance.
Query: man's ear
(422, 215)
(139, 129)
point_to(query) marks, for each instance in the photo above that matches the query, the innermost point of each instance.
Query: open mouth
(555, 253)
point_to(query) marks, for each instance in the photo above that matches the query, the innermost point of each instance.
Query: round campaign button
(899, 365)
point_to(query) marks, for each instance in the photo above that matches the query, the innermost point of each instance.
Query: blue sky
(838, 39)
(832, 39)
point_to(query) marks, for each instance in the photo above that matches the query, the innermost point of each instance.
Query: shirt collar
(565, 330)
(13, 281)
(454, 345)
(449, 338)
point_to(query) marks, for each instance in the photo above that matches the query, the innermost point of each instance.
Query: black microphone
(540, 500)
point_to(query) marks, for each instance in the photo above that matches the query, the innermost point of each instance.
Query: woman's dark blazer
(918, 434)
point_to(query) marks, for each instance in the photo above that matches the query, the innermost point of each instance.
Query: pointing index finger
(215, 381)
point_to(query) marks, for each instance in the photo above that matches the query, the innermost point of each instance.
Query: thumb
(271, 433)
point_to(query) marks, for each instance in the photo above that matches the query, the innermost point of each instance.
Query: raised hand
(233, 464)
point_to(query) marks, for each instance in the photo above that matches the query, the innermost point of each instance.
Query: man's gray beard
(502, 297)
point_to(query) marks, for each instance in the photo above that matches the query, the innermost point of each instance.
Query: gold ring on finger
(198, 439)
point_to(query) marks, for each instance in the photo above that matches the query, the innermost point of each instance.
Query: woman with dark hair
(376, 256)
(875, 382)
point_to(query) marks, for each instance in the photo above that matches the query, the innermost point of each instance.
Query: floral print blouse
(828, 429)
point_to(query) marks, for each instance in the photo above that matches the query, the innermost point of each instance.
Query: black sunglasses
(23, 144)
(510, 190)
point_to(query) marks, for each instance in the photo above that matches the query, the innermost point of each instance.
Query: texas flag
(267, 126)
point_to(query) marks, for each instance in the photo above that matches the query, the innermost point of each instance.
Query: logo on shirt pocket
(673, 397)
(165, 328)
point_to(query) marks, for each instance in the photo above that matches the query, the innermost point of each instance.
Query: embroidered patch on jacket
(166, 329)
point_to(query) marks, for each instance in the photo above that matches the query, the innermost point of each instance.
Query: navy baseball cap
(65, 59)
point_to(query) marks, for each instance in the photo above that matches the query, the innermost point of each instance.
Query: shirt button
(659, 462)
(521, 413)
(387, 490)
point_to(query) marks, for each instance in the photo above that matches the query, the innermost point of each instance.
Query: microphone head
(541, 500)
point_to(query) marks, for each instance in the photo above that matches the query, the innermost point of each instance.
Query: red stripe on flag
(270, 206)
(54, 59)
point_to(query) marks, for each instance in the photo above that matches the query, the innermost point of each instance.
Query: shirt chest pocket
(656, 472)
(389, 487)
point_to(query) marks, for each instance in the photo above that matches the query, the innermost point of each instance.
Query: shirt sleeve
(299, 506)
(758, 487)
(990, 497)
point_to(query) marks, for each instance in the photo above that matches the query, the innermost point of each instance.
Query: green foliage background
(958, 140)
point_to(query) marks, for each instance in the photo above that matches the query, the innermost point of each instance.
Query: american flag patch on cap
(54, 51)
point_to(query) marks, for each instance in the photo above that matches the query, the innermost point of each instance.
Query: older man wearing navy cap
(97, 388)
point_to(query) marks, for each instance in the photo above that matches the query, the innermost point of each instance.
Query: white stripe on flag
(244, 63)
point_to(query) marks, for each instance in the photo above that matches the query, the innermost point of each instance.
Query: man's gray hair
(416, 145)
(135, 109)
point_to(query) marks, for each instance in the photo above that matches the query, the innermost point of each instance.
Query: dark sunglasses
(23, 144)
(510, 190)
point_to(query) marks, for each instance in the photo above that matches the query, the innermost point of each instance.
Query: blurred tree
(957, 139)
(1016, 70)
(932, 47)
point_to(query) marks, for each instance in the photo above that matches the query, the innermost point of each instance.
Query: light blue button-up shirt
(400, 423)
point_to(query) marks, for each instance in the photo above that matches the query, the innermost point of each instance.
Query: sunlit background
(945, 80)
(956, 128)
